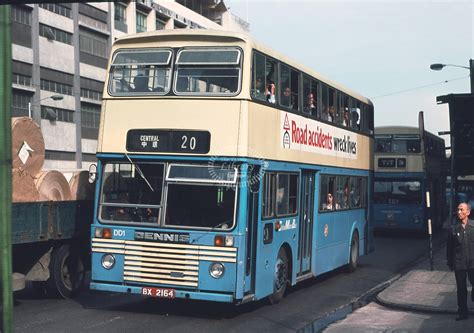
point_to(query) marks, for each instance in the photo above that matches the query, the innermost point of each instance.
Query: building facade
(59, 54)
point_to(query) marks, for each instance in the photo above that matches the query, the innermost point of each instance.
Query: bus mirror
(254, 179)
(92, 173)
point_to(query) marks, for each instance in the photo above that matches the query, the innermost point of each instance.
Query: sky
(381, 49)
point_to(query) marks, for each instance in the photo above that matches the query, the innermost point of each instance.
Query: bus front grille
(163, 263)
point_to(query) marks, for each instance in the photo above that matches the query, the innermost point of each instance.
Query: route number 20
(188, 143)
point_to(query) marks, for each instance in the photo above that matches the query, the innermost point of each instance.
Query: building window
(120, 13)
(60, 114)
(90, 115)
(56, 8)
(93, 44)
(91, 22)
(55, 34)
(21, 15)
(57, 87)
(160, 25)
(20, 79)
(120, 17)
(20, 104)
(91, 94)
(141, 22)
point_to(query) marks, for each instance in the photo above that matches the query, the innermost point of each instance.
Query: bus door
(306, 222)
(252, 224)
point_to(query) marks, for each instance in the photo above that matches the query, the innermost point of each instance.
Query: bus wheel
(66, 273)
(354, 254)
(280, 277)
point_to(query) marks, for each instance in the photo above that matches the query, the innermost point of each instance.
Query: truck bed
(44, 221)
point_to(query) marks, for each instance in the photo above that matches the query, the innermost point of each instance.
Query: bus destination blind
(168, 141)
(392, 162)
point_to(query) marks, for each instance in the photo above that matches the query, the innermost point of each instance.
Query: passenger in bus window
(347, 120)
(310, 106)
(345, 199)
(355, 120)
(324, 112)
(270, 93)
(258, 92)
(332, 113)
(330, 203)
(286, 97)
(140, 84)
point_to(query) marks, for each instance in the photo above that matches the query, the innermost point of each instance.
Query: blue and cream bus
(401, 179)
(219, 176)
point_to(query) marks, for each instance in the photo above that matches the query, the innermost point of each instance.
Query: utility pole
(5, 167)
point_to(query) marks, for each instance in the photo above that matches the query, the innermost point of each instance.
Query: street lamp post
(53, 97)
(438, 67)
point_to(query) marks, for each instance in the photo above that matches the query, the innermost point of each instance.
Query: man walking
(460, 253)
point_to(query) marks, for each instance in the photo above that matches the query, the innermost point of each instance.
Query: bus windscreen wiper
(140, 172)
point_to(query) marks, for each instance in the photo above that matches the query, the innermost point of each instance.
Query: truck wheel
(354, 254)
(66, 273)
(280, 277)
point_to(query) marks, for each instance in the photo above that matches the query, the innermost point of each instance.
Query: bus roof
(230, 36)
(381, 130)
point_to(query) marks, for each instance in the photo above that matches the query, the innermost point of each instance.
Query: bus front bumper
(184, 294)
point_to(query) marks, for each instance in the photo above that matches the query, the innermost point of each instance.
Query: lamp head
(57, 97)
(437, 67)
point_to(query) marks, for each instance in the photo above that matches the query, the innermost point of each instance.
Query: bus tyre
(354, 254)
(280, 277)
(66, 273)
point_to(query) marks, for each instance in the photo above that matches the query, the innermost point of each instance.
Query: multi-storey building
(62, 49)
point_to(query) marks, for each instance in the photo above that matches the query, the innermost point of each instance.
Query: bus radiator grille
(163, 263)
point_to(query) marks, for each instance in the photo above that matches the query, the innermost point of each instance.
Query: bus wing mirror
(92, 173)
(254, 179)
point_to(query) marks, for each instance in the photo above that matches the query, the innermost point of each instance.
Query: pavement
(421, 300)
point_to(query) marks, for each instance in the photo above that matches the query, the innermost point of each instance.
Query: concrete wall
(22, 53)
(59, 135)
(56, 55)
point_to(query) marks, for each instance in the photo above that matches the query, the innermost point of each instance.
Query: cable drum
(52, 186)
(28, 151)
(80, 187)
(23, 187)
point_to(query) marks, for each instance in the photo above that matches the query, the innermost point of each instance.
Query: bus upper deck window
(139, 72)
(205, 71)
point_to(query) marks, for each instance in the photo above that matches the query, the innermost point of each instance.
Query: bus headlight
(216, 270)
(416, 219)
(108, 261)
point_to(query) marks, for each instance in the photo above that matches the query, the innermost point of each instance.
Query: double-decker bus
(226, 172)
(402, 179)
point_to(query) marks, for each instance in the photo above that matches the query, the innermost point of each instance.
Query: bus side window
(324, 193)
(268, 196)
(258, 77)
(355, 192)
(328, 194)
(286, 194)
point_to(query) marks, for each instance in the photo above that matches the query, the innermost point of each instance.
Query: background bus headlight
(216, 270)
(108, 261)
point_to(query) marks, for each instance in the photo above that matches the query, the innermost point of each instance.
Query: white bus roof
(160, 35)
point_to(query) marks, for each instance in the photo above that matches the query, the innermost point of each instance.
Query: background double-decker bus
(226, 171)
(401, 179)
